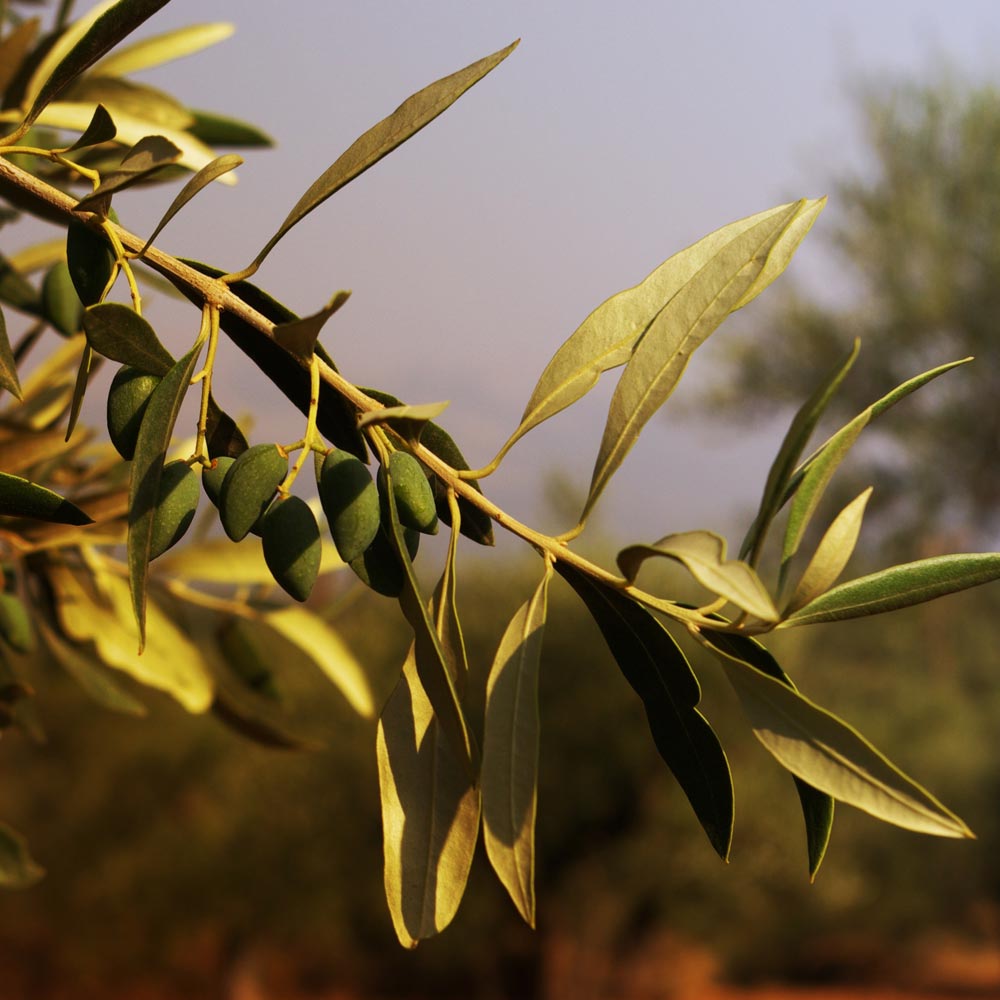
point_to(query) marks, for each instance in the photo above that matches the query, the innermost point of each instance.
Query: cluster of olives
(245, 492)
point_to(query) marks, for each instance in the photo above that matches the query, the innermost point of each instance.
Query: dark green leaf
(79, 389)
(119, 333)
(62, 306)
(147, 468)
(101, 129)
(82, 45)
(17, 869)
(817, 806)
(21, 498)
(217, 131)
(8, 365)
(899, 587)
(409, 118)
(146, 157)
(658, 671)
(91, 261)
(16, 290)
(253, 725)
(300, 335)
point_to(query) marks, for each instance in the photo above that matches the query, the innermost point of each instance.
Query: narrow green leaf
(217, 131)
(831, 555)
(828, 754)
(101, 129)
(137, 100)
(660, 674)
(252, 725)
(721, 285)
(208, 173)
(14, 50)
(899, 587)
(79, 390)
(163, 48)
(16, 290)
(146, 157)
(8, 366)
(810, 480)
(409, 421)
(607, 337)
(431, 662)
(509, 778)
(430, 813)
(703, 554)
(475, 524)
(81, 45)
(446, 620)
(91, 261)
(147, 467)
(17, 868)
(817, 806)
(119, 333)
(300, 335)
(782, 469)
(22, 498)
(409, 118)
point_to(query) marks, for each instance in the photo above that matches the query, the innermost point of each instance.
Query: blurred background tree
(916, 231)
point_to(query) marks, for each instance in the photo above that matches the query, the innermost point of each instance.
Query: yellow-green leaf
(163, 48)
(409, 421)
(509, 778)
(430, 813)
(703, 554)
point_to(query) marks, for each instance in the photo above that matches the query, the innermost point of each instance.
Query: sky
(615, 135)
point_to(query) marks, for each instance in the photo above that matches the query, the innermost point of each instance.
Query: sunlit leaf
(17, 868)
(703, 554)
(814, 474)
(8, 366)
(899, 587)
(430, 813)
(660, 674)
(163, 48)
(155, 433)
(409, 421)
(831, 555)
(783, 468)
(81, 45)
(208, 173)
(148, 155)
(828, 754)
(156, 108)
(300, 335)
(14, 48)
(409, 118)
(119, 333)
(313, 638)
(817, 806)
(721, 285)
(22, 498)
(431, 662)
(509, 779)
(607, 337)
(97, 610)
(101, 129)
(446, 620)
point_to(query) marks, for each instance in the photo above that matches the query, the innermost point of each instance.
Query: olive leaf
(810, 480)
(724, 283)
(300, 335)
(509, 779)
(817, 806)
(831, 555)
(17, 868)
(14, 49)
(23, 498)
(163, 48)
(660, 674)
(101, 129)
(430, 812)
(446, 620)
(8, 365)
(79, 389)
(607, 337)
(208, 173)
(409, 118)
(146, 157)
(796, 438)
(408, 421)
(217, 130)
(155, 433)
(252, 725)
(703, 554)
(899, 587)
(16, 290)
(91, 261)
(81, 45)
(828, 754)
(119, 333)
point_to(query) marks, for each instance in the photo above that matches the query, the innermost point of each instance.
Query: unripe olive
(127, 400)
(248, 488)
(175, 507)
(412, 493)
(379, 565)
(292, 548)
(15, 624)
(213, 476)
(63, 308)
(350, 502)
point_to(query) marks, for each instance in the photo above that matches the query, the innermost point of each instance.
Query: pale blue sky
(615, 135)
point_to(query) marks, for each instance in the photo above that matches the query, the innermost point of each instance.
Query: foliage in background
(86, 525)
